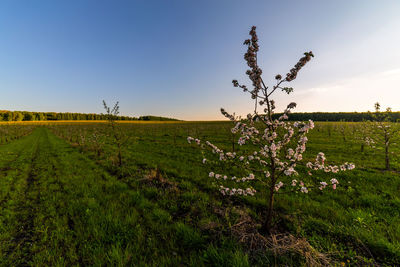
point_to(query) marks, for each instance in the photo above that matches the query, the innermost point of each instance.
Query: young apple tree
(274, 147)
(383, 132)
(119, 138)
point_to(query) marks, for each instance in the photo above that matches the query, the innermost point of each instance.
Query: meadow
(65, 200)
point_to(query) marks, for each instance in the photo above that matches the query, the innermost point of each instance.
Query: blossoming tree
(383, 132)
(362, 135)
(275, 145)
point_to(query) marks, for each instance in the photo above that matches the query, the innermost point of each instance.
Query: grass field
(64, 201)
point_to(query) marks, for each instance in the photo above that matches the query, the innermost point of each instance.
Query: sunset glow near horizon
(178, 58)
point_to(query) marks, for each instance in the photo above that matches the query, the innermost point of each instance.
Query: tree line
(6, 115)
(155, 118)
(339, 116)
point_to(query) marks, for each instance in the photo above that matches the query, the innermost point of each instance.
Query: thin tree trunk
(233, 143)
(387, 152)
(268, 221)
(119, 156)
(387, 157)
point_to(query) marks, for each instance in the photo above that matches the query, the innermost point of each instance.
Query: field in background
(64, 200)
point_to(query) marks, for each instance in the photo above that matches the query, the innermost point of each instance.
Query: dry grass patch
(280, 244)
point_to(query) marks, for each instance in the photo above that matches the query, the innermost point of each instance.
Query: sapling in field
(383, 132)
(342, 129)
(119, 138)
(362, 135)
(274, 146)
(96, 142)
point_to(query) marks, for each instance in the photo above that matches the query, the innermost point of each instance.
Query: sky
(178, 58)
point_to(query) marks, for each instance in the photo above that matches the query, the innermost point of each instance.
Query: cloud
(355, 94)
(391, 72)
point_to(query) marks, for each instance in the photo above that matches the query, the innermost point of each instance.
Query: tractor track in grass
(25, 211)
(8, 166)
(11, 165)
(44, 191)
(28, 181)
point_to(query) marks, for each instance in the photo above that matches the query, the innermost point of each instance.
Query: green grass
(64, 202)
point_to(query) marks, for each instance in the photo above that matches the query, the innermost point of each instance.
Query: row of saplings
(380, 133)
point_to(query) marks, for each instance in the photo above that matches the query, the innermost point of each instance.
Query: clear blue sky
(178, 58)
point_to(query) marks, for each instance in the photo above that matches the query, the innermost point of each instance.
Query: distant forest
(338, 116)
(6, 115)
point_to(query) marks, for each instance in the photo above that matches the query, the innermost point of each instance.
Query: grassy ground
(60, 208)
(67, 203)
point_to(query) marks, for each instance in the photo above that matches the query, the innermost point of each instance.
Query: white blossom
(304, 190)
